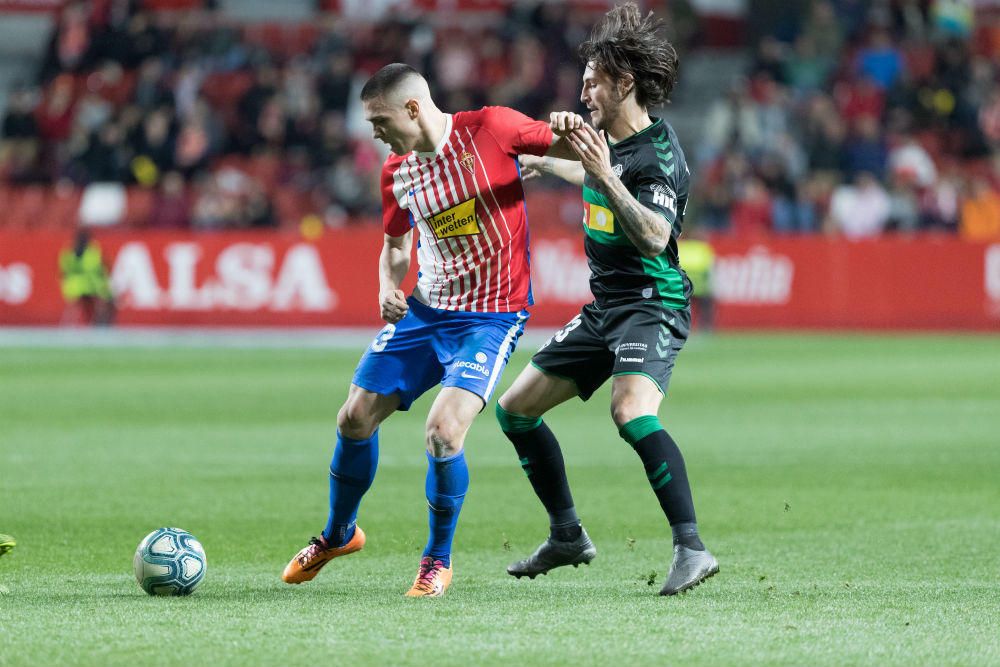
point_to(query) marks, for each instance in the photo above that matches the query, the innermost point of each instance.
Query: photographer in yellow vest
(697, 259)
(85, 283)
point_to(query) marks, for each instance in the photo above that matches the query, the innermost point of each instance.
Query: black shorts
(640, 338)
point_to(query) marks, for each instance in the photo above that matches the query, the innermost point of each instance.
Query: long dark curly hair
(626, 43)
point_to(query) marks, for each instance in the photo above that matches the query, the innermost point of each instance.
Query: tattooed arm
(648, 231)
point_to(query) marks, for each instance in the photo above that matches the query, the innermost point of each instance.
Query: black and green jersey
(651, 165)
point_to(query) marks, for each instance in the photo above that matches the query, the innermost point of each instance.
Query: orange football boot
(308, 562)
(432, 579)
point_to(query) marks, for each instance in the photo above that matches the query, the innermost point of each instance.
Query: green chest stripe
(594, 197)
(669, 282)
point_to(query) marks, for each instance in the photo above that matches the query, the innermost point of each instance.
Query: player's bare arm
(393, 265)
(648, 231)
(568, 170)
(560, 160)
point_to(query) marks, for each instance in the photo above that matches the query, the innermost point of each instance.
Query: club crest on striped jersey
(468, 161)
(459, 220)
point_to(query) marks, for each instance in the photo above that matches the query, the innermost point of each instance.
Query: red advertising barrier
(231, 279)
(264, 279)
(890, 283)
(242, 278)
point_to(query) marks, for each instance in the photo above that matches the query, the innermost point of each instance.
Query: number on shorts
(383, 337)
(560, 335)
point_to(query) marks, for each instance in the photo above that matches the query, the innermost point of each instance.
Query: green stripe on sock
(514, 423)
(526, 465)
(639, 428)
(666, 478)
(659, 471)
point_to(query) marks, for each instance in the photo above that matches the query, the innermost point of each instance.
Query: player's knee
(511, 422)
(625, 409)
(444, 437)
(355, 421)
(516, 403)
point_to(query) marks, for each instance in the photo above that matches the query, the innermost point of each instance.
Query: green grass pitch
(849, 485)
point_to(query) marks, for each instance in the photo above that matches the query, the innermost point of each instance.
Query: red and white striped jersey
(466, 200)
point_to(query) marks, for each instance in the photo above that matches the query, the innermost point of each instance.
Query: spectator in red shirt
(55, 113)
(72, 39)
(171, 208)
(860, 98)
(751, 213)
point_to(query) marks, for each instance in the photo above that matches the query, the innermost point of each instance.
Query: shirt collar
(440, 146)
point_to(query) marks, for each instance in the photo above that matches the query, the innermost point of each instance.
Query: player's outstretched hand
(531, 166)
(564, 122)
(393, 305)
(592, 148)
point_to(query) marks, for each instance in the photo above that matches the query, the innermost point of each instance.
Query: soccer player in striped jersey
(635, 188)
(455, 177)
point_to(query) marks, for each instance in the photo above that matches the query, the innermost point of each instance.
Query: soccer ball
(169, 561)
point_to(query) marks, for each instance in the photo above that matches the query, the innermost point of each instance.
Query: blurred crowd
(236, 125)
(859, 118)
(862, 117)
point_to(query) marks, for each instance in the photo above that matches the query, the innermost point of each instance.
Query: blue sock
(351, 473)
(447, 482)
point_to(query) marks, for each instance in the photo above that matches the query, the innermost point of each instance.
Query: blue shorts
(430, 347)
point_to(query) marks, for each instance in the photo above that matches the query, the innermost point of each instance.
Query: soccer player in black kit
(635, 188)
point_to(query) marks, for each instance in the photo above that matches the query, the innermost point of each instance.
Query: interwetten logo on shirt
(459, 220)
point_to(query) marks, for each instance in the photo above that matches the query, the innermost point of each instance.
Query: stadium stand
(213, 121)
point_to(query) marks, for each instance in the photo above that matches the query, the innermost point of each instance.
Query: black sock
(687, 534)
(667, 475)
(542, 461)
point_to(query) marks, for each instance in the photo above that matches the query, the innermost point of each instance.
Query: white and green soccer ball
(169, 561)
